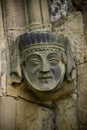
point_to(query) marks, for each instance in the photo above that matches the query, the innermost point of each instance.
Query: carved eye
(34, 63)
(33, 60)
(53, 61)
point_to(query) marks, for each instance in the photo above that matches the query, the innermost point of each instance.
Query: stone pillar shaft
(38, 14)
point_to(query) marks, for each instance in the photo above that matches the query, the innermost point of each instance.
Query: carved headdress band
(28, 41)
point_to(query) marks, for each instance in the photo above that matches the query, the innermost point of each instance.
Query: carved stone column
(38, 14)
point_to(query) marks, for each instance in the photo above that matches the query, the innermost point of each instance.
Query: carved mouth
(49, 77)
(45, 78)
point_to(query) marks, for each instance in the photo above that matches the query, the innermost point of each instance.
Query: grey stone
(45, 60)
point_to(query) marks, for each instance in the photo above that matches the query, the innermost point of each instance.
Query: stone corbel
(31, 50)
(42, 59)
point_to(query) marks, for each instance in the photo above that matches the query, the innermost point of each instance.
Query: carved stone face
(44, 70)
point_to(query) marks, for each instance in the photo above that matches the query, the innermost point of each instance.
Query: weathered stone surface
(14, 14)
(12, 53)
(78, 2)
(14, 19)
(75, 32)
(0, 91)
(34, 14)
(7, 113)
(22, 91)
(45, 14)
(43, 66)
(58, 9)
(33, 117)
(84, 13)
(82, 96)
(3, 62)
(14, 24)
(38, 15)
(66, 114)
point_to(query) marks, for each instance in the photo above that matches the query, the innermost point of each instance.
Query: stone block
(31, 116)
(7, 113)
(66, 114)
(74, 30)
(14, 14)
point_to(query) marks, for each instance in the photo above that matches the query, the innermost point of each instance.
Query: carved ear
(70, 69)
(15, 66)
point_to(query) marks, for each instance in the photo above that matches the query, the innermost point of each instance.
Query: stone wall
(19, 108)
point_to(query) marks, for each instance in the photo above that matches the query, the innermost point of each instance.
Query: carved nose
(45, 67)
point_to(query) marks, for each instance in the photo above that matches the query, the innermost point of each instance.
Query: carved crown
(26, 40)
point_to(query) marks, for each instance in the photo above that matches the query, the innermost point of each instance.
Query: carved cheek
(56, 72)
(34, 70)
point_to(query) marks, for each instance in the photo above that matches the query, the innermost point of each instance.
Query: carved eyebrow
(55, 55)
(34, 56)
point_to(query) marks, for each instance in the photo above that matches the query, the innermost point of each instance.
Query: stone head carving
(45, 61)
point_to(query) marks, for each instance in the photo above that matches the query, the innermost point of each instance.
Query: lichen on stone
(58, 9)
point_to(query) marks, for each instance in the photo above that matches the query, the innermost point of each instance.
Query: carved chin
(48, 93)
(44, 89)
(45, 85)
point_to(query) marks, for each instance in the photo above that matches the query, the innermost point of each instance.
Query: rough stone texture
(84, 13)
(14, 14)
(2, 56)
(82, 96)
(12, 52)
(0, 91)
(23, 92)
(78, 2)
(58, 9)
(74, 30)
(20, 91)
(15, 18)
(14, 24)
(7, 113)
(66, 113)
(33, 117)
(1, 37)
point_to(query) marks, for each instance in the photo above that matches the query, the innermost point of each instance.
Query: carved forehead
(42, 55)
